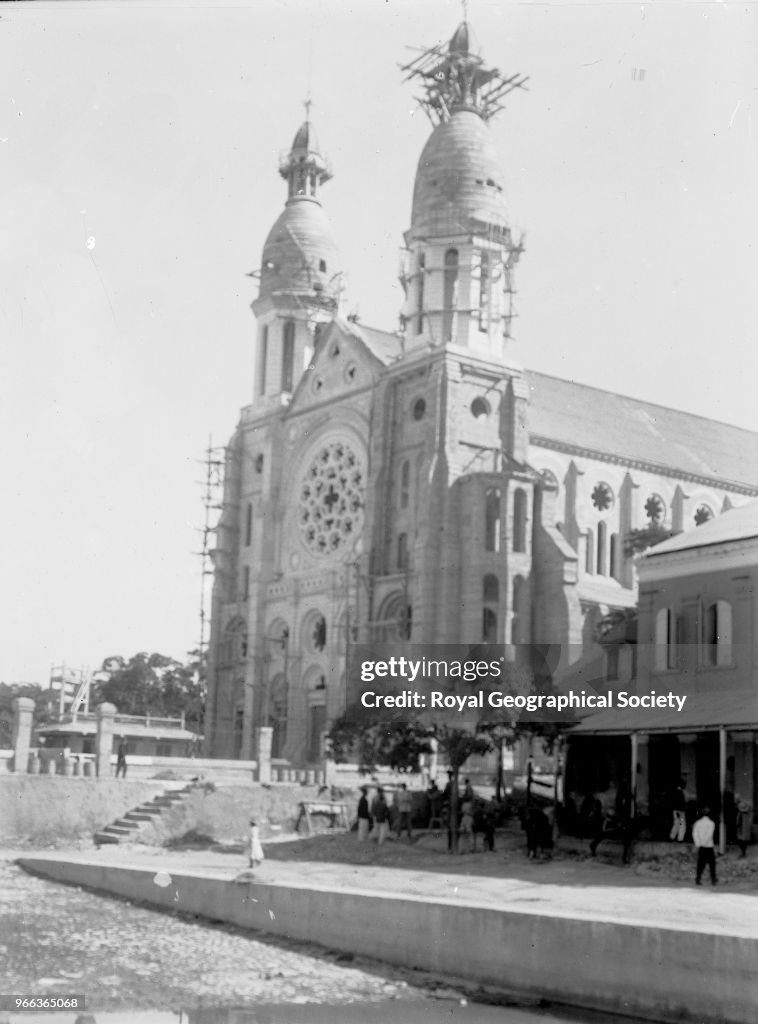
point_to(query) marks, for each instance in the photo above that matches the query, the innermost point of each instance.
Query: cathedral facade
(419, 485)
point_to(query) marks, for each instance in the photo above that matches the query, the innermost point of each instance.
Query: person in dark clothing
(121, 759)
(364, 818)
(538, 831)
(449, 796)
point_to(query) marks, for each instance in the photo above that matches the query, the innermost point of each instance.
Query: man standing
(702, 837)
(380, 812)
(404, 808)
(121, 759)
(363, 815)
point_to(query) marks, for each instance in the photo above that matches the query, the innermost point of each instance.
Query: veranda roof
(702, 712)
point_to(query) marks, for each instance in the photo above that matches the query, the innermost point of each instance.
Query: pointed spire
(305, 167)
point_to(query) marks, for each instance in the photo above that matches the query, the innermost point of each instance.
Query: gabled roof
(569, 414)
(734, 525)
(384, 345)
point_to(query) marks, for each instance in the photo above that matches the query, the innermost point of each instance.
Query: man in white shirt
(702, 837)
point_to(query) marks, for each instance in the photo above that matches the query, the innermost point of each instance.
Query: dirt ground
(428, 853)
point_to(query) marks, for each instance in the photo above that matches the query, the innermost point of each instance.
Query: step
(117, 830)
(124, 823)
(149, 810)
(105, 839)
(137, 816)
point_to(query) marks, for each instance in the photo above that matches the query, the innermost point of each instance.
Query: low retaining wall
(662, 974)
(50, 810)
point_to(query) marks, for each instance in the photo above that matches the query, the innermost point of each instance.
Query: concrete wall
(657, 973)
(43, 810)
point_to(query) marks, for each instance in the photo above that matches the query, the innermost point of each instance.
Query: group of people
(374, 820)
(476, 816)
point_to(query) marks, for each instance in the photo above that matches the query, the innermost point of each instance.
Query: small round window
(419, 409)
(480, 407)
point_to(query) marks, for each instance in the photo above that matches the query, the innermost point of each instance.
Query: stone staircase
(128, 826)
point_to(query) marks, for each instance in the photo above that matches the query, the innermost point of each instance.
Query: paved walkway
(682, 908)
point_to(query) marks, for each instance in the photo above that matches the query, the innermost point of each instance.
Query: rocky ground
(57, 939)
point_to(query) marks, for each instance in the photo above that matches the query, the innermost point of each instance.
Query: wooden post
(722, 781)
(633, 779)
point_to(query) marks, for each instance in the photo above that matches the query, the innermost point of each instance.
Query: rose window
(602, 497)
(655, 510)
(331, 499)
(702, 514)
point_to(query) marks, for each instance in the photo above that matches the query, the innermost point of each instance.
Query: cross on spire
(308, 103)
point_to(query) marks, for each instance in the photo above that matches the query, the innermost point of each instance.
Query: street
(145, 967)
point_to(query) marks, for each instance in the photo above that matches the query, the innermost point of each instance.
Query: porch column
(722, 782)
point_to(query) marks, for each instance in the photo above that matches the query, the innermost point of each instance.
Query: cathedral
(419, 485)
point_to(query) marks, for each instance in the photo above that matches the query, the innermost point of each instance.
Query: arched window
(589, 552)
(602, 549)
(484, 291)
(519, 609)
(613, 568)
(666, 629)
(288, 356)
(519, 520)
(402, 551)
(717, 634)
(449, 293)
(492, 519)
(489, 626)
(485, 283)
(405, 484)
(490, 589)
(263, 362)
(249, 524)
(420, 293)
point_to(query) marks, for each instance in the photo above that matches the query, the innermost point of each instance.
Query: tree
(645, 537)
(153, 684)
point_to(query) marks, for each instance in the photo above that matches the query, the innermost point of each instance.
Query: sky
(138, 179)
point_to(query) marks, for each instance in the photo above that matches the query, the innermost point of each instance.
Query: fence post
(23, 712)
(264, 734)
(106, 715)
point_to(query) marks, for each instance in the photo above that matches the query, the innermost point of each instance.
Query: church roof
(734, 525)
(383, 344)
(577, 416)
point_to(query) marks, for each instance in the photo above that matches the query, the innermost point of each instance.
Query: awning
(702, 712)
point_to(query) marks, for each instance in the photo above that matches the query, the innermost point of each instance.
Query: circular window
(602, 497)
(480, 407)
(702, 514)
(655, 509)
(331, 499)
(419, 408)
(314, 633)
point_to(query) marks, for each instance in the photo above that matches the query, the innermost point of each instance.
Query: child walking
(256, 850)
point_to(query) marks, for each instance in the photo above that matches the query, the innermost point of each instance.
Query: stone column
(23, 715)
(106, 714)
(263, 735)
